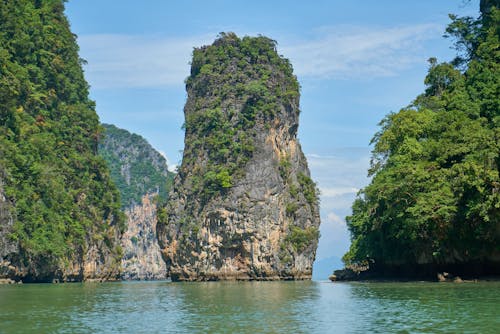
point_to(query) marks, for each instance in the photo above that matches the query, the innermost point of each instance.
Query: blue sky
(356, 61)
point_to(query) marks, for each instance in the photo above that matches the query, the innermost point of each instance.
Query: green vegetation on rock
(309, 188)
(435, 193)
(301, 238)
(62, 196)
(235, 70)
(242, 205)
(136, 168)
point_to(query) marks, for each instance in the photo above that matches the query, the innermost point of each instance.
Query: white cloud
(360, 52)
(332, 217)
(119, 61)
(339, 175)
(335, 238)
(170, 166)
(337, 191)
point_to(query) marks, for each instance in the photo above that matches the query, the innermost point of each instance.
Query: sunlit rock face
(243, 205)
(142, 177)
(142, 258)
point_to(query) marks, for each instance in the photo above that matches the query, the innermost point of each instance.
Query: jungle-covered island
(84, 201)
(433, 204)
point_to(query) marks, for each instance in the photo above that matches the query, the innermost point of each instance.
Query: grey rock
(142, 176)
(244, 232)
(8, 247)
(142, 258)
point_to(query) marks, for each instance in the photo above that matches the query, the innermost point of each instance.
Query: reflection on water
(250, 307)
(239, 307)
(431, 307)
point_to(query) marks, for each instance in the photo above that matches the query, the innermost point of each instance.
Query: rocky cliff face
(96, 262)
(8, 247)
(243, 205)
(143, 180)
(142, 258)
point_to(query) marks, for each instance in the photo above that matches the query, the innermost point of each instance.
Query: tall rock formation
(143, 179)
(243, 205)
(141, 254)
(59, 211)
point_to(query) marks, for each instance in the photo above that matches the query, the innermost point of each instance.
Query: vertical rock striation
(243, 205)
(143, 179)
(142, 258)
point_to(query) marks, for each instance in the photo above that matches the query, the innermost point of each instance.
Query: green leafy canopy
(435, 192)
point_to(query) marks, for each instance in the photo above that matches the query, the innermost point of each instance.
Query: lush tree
(233, 68)
(61, 192)
(435, 193)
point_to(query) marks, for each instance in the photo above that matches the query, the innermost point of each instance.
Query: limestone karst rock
(243, 205)
(143, 179)
(8, 247)
(141, 254)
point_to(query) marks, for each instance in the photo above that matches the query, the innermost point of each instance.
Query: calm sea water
(250, 307)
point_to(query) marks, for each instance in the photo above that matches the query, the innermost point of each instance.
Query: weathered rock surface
(142, 258)
(97, 262)
(8, 247)
(143, 179)
(245, 207)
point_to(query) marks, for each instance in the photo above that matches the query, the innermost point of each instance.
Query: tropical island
(84, 201)
(433, 205)
(79, 197)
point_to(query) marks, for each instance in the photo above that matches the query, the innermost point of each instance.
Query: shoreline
(457, 273)
(415, 280)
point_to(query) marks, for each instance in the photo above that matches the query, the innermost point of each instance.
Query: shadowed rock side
(143, 179)
(243, 205)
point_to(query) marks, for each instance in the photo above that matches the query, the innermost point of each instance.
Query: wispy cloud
(340, 52)
(171, 166)
(339, 174)
(338, 191)
(334, 236)
(335, 219)
(360, 52)
(124, 61)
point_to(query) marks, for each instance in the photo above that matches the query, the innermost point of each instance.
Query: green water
(251, 307)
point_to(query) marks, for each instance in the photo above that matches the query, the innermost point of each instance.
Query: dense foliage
(60, 189)
(136, 168)
(248, 70)
(435, 193)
